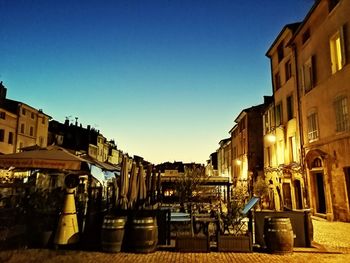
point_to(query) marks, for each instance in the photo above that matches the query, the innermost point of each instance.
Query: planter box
(228, 243)
(192, 244)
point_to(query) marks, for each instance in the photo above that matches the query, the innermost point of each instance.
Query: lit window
(341, 114)
(337, 51)
(312, 126)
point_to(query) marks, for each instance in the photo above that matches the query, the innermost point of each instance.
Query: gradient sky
(164, 78)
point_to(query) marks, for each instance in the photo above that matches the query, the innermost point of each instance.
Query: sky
(164, 78)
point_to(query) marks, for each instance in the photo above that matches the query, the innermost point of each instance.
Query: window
(279, 114)
(288, 70)
(22, 127)
(312, 126)
(32, 115)
(292, 149)
(332, 4)
(309, 74)
(337, 48)
(341, 114)
(31, 131)
(290, 109)
(277, 81)
(43, 120)
(2, 135)
(2, 115)
(306, 36)
(280, 52)
(23, 111)
(10, 140)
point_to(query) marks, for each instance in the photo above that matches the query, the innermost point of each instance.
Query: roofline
(22, 103)
(306, 18)
(288, 26)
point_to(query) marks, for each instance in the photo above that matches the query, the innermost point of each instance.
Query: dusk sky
(164, 78)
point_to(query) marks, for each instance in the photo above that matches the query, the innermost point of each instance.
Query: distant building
(247, 147)
(224, 157)
(20, 125)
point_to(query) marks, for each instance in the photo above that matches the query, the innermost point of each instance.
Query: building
(321, 46)
(282, 145)
(247, 147)
(224, 157)
(21, 125)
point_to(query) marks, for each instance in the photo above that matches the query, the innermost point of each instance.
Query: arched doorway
(315, 164)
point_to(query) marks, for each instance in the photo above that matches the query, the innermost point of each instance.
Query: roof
(12, 106)
(293, 27)
(247, 110)
(312, 9)
(223, 141)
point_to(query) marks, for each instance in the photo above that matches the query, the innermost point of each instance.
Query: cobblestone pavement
(333, 237)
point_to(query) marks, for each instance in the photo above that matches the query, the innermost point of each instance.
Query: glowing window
(337, 51)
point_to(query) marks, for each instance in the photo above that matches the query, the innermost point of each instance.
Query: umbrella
(153, 186)
(142, 191)
(124, 183)
(132, 194)
(148, 182)
(53, 158)
(159, 186)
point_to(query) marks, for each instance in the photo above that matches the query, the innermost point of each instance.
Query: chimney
(3, 91)
(88, 127)
(66, 122)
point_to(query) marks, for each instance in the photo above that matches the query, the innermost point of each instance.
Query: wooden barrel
(143, 234)
(112, 233)
(278, 235)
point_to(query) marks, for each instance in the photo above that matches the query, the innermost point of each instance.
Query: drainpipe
(300, 124)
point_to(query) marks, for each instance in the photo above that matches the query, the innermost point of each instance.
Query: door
(347, 181)
(287, 197)
(298, 195)
(319, 193)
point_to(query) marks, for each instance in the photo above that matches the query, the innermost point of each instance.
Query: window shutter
(314, 71)
(343, 44)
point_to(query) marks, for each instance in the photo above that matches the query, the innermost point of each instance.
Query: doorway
(319, 193)
(347, 181)
(298, 195)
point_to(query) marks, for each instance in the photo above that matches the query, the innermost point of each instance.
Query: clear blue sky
(164, 78)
